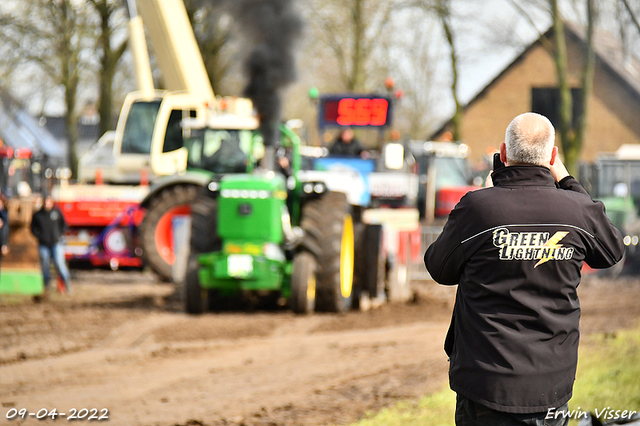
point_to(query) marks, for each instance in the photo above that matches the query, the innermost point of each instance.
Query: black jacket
(516, 251)
(48, 226)
(351, 149)
(4, 229)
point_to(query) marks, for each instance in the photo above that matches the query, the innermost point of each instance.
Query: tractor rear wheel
(303, 283)
(327, 221)
(156, 230)
(375, 260)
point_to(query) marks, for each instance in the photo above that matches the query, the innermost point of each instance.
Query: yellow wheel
(329, 229)
(346, 257)
(303, 283)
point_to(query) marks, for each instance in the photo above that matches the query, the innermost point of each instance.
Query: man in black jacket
(4, 227)
(516, 250)
(48, 226)
(346, 145)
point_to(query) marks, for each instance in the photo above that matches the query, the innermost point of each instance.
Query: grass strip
(608, 379)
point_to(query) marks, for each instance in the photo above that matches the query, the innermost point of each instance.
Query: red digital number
(362, 112)
(346, 111)
(378, 110)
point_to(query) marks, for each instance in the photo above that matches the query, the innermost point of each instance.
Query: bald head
(529, 140)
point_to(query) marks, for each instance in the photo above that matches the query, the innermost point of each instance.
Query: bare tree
(417, 60)
(632, 14)
(212, 25)
(354, 32)
(443, 10)
(57, 38)
(111, 16)
(68, 29)
(571, 129)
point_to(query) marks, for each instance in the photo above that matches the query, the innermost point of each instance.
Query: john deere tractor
(267, 234)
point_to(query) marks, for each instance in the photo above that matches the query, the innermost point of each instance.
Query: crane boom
(138, 46)
(175, 46)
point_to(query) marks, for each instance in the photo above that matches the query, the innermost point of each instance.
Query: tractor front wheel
(303, 283)
(196, 298)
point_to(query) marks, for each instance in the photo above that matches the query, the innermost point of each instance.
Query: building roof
(19, 130)
(608, 53)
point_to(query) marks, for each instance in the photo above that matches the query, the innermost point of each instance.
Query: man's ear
(554, 154)
(503, 152)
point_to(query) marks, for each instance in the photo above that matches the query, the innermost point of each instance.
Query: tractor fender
(194, 178)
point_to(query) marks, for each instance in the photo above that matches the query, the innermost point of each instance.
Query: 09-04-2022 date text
(91, 414)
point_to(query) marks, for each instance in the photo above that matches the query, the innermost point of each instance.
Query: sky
(482, 54)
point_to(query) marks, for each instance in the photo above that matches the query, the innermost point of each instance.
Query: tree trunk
(70, 80)
(587, 83)
(357, 81)
(565, 104)
(456, 121)
(108, 62)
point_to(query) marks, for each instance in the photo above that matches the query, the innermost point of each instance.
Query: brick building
(529, 84)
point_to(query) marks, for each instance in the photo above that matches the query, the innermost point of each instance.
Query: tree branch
(546, 43)
(634, 18)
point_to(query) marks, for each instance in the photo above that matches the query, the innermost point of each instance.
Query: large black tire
(328, 223)
(204, 239)
(165, 200)
(375, 272)
(204, 225)
(196, 298)
(370, 270)
(303, 283)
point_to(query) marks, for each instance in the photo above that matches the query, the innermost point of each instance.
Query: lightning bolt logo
(551, 244)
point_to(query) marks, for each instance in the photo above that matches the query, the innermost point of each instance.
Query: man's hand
(488, 182)
(5, 250)
(558, 170)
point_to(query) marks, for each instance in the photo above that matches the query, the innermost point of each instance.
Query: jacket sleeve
(607, 247)
(63, 224)
(570, 183)
(445, 258)
(35, 227)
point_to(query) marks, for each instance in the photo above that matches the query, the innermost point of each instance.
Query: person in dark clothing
(516, 251)
(346, 145)
(4, 227)
(48, 226)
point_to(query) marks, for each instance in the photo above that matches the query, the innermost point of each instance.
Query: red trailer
(103, 222)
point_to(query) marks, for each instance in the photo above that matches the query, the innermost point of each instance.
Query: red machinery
(102, 223)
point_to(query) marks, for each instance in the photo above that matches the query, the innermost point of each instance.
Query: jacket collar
(526, 175)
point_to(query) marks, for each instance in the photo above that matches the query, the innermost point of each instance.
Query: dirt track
(116, 344)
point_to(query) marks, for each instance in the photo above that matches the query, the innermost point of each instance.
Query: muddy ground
(117, 343)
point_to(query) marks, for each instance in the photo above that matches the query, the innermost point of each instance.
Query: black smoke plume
(272, 27)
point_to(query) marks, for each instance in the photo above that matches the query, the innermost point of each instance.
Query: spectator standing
(4, 227)
(516, 251)
(346, 145)
(48, 226)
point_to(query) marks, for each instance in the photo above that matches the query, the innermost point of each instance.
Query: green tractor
(272, 236)
(614, 179)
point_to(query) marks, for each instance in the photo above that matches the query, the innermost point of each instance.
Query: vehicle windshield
(617, 177)
(219, 150)
(138, 129)
(450, 172)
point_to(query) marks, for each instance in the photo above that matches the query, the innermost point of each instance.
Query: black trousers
(469, 413)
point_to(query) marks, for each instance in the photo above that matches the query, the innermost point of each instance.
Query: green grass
(608, 376)
(608, 372)
(433, 410)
